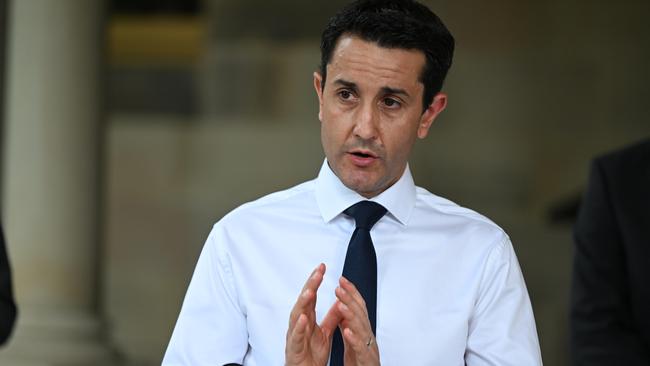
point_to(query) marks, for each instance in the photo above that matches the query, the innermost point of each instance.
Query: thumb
(331, 320)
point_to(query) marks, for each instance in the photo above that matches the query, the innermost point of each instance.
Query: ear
(437, 105)
(318, 85)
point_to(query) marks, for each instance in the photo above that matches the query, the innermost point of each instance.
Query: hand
(359, 341)
(309, 344)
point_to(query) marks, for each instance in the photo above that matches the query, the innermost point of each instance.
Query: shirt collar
(334, 197)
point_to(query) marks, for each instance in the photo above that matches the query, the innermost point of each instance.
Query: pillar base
(58, 338)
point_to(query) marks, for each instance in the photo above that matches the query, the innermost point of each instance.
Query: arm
(502, 328)
(211, 328)
(602, 330)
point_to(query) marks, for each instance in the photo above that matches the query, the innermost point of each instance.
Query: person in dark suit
(610, 293)
(7, 305)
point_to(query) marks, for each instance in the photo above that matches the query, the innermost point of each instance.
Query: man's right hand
(309, 344)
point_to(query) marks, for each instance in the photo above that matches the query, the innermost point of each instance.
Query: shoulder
(461, 220)
(625, 171)
(291, 202)
(627, 159)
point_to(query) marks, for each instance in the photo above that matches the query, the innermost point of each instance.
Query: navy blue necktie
(360, 266)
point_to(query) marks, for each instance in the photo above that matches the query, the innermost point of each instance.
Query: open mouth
(362, 154)
(363, 158)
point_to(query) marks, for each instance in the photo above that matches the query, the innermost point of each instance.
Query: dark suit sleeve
(7, 305)
(602, 330)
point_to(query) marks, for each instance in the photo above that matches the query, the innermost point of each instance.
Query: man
(610, 297)
(424, 281)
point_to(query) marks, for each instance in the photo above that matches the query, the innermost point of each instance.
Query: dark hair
(404, 24)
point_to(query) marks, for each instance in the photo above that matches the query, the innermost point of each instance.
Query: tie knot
(366, 213)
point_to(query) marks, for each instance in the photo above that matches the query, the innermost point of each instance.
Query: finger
(350, 288)
(315, 277)
(331, 320)
(296, 341)
(352, 339)
(350, 295)
(312, 284)
(354, 318)
(301, 306)
(306, 302)
(355, 315)
(359, 309)
(295, 314)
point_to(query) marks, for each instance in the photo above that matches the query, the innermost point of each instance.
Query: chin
(362, 181)
(362, 186)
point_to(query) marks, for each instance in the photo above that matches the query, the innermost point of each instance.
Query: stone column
(51, 190)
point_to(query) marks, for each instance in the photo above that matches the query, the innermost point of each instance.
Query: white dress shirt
(449, 288)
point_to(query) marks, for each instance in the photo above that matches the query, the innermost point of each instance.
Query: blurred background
(129, 127)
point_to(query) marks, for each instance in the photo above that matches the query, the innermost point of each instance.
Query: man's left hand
(360, 344)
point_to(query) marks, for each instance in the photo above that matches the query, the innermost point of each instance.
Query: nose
(366, 122)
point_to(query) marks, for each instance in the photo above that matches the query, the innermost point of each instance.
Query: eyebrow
(345, 83)
(389, 90)
(385, 89)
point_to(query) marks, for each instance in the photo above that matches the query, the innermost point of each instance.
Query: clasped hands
(309, 343)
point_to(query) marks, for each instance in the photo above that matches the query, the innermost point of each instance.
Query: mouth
(362, 158)
(363, 154)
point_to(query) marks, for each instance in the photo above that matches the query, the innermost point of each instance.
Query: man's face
(371, 112)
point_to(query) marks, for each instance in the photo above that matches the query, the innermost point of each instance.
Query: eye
(391, 103)
(345, 94)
